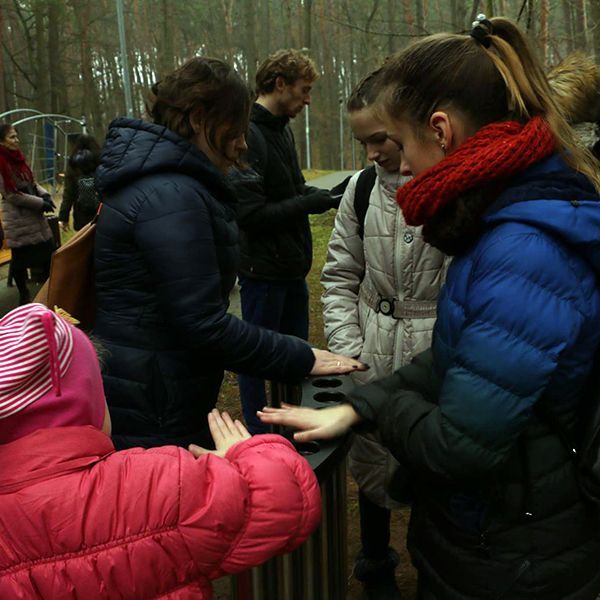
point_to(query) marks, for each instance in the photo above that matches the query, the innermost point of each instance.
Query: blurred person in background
(575, 82)
(24, 203)
(79, 194)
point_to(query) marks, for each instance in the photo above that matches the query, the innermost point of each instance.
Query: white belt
(399, 309)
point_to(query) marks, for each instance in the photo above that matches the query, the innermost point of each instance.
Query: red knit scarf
(496, 152)
(13, 165)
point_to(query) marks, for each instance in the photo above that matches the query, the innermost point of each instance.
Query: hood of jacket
(554, 198)
(575, 82)
(134, 149)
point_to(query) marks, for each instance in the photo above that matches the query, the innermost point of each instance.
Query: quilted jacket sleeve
(520, 319)
(261, 500)
(341, 278)
(21, 199)
(255, 212)
(188, 283)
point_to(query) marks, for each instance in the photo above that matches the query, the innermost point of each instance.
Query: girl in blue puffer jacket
(500, 184)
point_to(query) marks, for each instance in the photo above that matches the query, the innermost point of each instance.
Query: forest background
(63, 56)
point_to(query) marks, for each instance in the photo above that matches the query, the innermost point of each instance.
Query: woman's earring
(443, 147)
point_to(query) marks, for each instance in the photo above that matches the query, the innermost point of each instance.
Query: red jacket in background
(79, 520)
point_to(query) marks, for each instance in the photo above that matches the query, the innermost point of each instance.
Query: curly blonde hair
(289, 64)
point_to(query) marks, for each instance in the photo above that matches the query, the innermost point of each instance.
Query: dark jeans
(20, 277)
(277, 305)
(374, 528)
(424, 591)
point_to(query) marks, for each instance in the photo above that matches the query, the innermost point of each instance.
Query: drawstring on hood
(48, 324)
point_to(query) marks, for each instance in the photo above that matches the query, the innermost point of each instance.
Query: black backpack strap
(362, 193)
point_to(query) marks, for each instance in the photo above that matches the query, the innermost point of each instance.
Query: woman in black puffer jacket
(165, 259)
(79, 193)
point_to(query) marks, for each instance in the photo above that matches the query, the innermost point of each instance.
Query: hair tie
(481, 30)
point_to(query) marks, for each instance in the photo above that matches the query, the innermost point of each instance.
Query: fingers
(278, 416)
(215, 425)
(242, 430)
(225, 431)
(327, 363)
(299, 418)
(228, 424)
(307, 436)
(198, 451)
(269, 415)
(230, 428)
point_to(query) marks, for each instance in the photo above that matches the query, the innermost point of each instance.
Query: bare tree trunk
(90, 106)
(266, 29)
(4, 101)
(251, 52)
(391, 26)
(580, 25)
(307, 23)
(458, 11)
(530, 17)
(327, 110)
(227, 7)
(544, 18)
(42, 94)
(474, 11)
(166, 49)
(420, 17)
(595, 20)
(408, 17)
(59, 102)
(567, 9)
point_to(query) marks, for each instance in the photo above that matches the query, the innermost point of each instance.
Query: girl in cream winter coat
(379, 302)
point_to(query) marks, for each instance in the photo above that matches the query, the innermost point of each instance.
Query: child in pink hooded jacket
(79, 520)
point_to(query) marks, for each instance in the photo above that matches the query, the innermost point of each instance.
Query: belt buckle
(386, 306)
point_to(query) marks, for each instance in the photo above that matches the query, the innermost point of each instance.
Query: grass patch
(314, 173)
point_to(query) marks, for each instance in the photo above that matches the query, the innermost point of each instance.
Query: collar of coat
(48, 453)
(260, 115)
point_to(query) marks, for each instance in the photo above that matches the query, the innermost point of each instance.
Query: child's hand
(225, 433)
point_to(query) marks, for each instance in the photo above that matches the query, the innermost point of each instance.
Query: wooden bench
(4, 256)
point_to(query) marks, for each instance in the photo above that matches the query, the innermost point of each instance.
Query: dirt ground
(229, 399)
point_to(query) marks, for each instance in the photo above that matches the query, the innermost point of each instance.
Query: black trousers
(374, 528)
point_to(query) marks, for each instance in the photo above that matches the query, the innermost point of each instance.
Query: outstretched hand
(225, 433)
(313, 424)
(327, 363)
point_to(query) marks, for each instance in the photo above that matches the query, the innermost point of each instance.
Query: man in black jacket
(274, 204)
